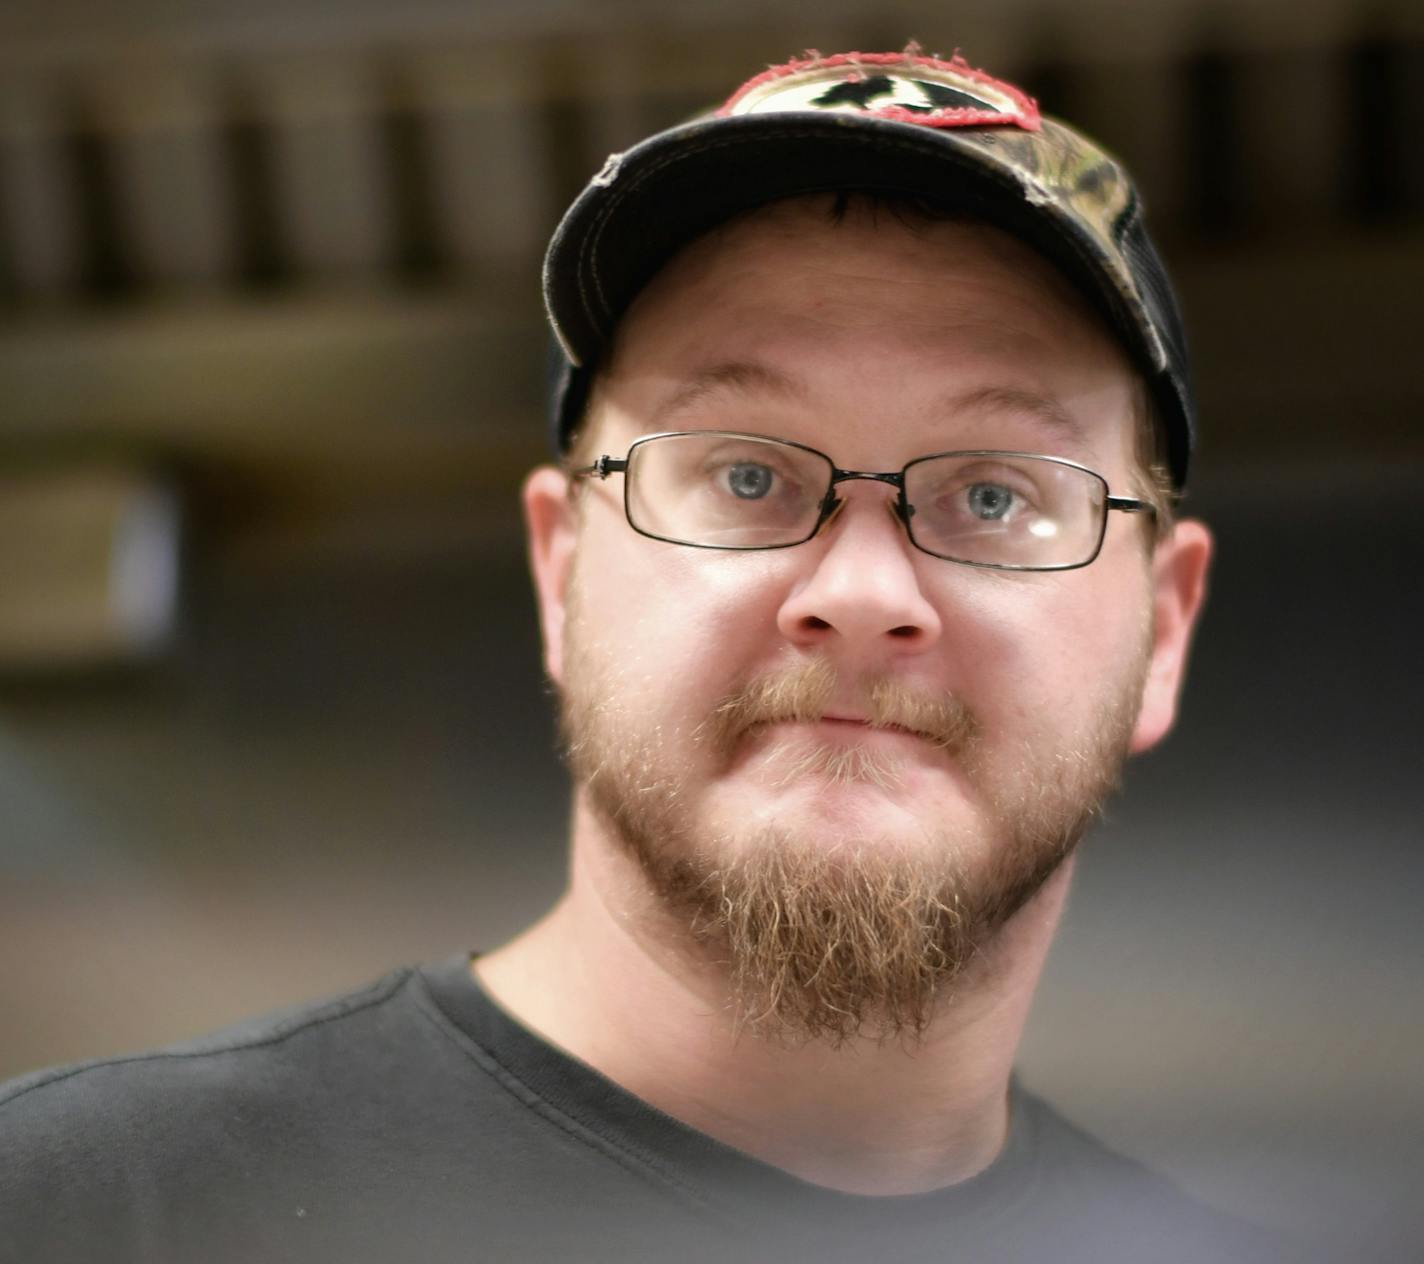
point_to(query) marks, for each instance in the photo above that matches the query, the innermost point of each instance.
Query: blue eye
(990, 501)
(749, 481)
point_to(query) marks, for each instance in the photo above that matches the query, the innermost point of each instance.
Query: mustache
(802, 694)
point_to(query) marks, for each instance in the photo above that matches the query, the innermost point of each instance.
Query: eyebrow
(755, 377)
(737, 377)
(1022, 403)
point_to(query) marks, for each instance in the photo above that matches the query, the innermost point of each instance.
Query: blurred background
(271, 713)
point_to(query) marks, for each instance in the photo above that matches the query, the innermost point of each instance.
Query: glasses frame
(831, 503)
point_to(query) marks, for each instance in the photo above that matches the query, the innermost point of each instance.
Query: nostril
(815, 623)
(905, 631)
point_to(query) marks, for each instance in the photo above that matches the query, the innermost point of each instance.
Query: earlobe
(1179, 580)
(549, 518)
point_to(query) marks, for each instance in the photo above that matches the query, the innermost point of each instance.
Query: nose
(861, 587)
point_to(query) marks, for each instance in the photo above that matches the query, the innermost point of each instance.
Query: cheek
(1030, 650)
(676, 626)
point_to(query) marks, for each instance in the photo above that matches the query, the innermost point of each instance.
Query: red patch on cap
(928, 91)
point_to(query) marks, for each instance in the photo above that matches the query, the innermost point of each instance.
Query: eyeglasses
(1012, 511)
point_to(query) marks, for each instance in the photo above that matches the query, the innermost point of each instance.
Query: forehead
(820, 315)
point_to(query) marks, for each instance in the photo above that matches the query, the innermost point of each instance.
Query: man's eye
(749, 481)
(989, 501)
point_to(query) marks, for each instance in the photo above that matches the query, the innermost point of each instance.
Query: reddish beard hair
(851, 937)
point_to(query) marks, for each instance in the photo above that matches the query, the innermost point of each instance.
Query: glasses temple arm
(1130, 505)
(601, 468)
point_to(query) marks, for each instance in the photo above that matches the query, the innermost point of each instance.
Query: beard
(859, 934)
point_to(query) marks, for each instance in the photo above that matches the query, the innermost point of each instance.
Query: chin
(825, 816)
(883, 787)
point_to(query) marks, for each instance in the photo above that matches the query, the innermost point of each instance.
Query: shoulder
(1112, 1207)
(114, 1149)
(252, 1054)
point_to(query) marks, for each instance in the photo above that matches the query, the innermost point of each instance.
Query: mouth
(835, 750)
(904, 719)
(872, 726)
(847, 728)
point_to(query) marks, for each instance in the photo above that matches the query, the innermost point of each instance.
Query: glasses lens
(725, 491)
(1006, 510)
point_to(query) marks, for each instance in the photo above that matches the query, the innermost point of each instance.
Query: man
(858, 582)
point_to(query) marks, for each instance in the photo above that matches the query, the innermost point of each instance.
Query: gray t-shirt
(415, 1120)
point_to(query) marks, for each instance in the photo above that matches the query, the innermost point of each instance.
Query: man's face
(851, 752)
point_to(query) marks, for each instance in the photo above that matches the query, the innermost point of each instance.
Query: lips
(851, 722)
(811, 694)
(867, 722)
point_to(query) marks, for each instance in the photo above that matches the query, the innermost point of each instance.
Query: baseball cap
(901, 124)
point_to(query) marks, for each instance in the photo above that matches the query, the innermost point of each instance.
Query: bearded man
(859, 580)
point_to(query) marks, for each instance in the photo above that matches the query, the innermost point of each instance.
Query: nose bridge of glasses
(896, 478)
(832, 505)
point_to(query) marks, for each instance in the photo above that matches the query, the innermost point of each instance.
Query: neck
(606, 977)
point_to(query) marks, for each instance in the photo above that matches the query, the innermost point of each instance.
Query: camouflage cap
(902, 124)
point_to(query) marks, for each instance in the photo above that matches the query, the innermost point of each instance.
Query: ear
(1179, 572)
(549, 516)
